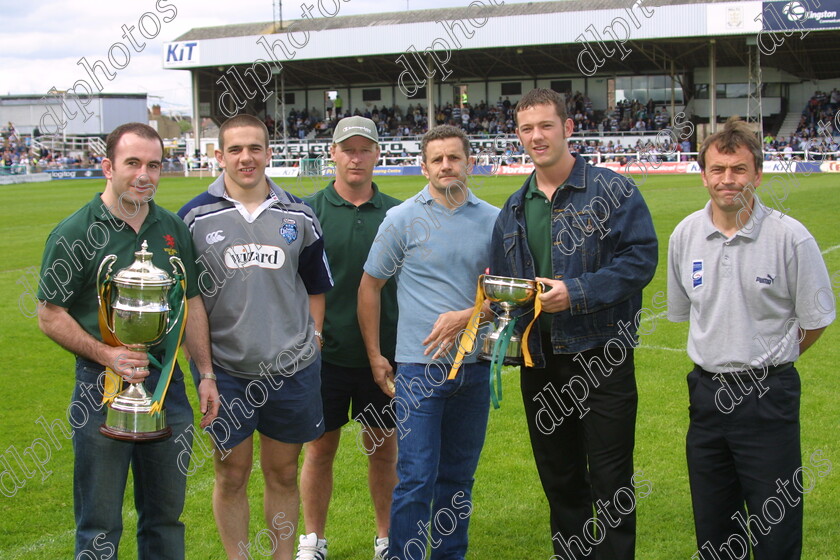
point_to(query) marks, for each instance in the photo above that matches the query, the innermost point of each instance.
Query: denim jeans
(101, 472)
(442, 432)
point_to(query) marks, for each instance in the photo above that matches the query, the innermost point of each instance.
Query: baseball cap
(355, 126)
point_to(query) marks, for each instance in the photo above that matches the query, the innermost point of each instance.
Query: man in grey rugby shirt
(263, 285)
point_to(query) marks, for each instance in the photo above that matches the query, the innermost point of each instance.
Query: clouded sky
(42, 41)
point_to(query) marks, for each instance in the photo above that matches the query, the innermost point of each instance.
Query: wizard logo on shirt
(696, 273)
(289, 230)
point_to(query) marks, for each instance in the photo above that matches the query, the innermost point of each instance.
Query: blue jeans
(442, 428)
(101, 471)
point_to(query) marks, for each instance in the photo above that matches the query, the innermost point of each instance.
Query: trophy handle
(109, 261)
(178, 268)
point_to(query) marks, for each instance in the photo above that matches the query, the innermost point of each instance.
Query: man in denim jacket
(586, 234)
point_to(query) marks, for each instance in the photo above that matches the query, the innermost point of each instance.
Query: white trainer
(311, 547)
(380, 548)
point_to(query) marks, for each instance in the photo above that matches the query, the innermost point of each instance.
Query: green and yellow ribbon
(113, 383)
(498, 361)
(466, 343)
(172, 343)
(526, 354)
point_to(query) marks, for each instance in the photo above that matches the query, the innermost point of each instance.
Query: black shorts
(343, 386)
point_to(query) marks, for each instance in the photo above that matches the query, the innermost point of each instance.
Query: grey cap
(355, 126)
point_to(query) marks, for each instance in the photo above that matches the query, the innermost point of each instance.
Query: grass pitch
(510, 519)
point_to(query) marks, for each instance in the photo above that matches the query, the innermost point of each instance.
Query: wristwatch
(320, 336)
(209, 375)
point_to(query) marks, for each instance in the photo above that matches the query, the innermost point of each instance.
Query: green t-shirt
(538, 225)
(79, 243)
(349, 232)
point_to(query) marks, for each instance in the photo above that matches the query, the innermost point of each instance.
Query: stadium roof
(537, 38)
(419, 16)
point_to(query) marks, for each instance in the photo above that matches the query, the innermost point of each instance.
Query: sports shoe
(311, 547)
(380, 548)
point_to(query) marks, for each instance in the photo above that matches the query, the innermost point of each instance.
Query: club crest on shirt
(289, 230)
(696, 273)
(170, 245)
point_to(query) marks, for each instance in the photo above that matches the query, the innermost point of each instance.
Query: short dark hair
(140, 129)
(442, 132)
(542, 96)
(735, 133)
(241, 120)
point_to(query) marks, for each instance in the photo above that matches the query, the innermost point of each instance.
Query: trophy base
(129, 421)
(121, 435)
(513, 357)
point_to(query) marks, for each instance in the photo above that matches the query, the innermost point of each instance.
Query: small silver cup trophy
(510, 294)
(138, 314)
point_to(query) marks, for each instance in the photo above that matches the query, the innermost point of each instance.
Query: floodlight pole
(196, 119)
(283, 111)
(755, 111)
(673, 93)
(430, 94)
(712, 87)
(278, 13)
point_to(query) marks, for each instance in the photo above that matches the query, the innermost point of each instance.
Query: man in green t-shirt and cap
(350, 210)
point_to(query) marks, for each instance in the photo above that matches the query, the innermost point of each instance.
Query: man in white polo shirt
(749, 280)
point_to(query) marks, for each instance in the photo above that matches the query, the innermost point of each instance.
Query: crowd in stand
(482, 119)
(18, 153)
(816, 132)
(13, 149)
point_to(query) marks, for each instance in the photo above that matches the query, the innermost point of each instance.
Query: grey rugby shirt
(256, 276)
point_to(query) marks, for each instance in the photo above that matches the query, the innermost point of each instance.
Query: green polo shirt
(538, 225)
(79, 243)
(349, 232)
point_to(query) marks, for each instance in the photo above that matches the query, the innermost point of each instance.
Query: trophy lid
(143, 272)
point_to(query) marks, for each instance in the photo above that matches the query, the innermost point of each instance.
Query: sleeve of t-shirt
(60, 281)
(679, 305)
(387, 252)
(815, 304)
(313, 267)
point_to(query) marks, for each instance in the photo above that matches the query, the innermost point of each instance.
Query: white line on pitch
(651, 318)
(652, 347)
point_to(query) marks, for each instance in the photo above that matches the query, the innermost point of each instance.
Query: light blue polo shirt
(436, 255)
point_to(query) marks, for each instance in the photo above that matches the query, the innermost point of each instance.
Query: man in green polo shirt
(118, 222)
(350, 210)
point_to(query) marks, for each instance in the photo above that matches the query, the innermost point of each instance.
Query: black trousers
(743, 447)
(581, 414)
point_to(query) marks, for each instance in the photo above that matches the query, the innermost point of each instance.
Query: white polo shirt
(746, 296)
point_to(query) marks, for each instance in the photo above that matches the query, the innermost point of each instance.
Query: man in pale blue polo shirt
(436, 244)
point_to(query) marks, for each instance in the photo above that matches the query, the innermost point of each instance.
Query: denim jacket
(604, 249)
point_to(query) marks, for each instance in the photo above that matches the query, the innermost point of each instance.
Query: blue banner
(800, 15)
